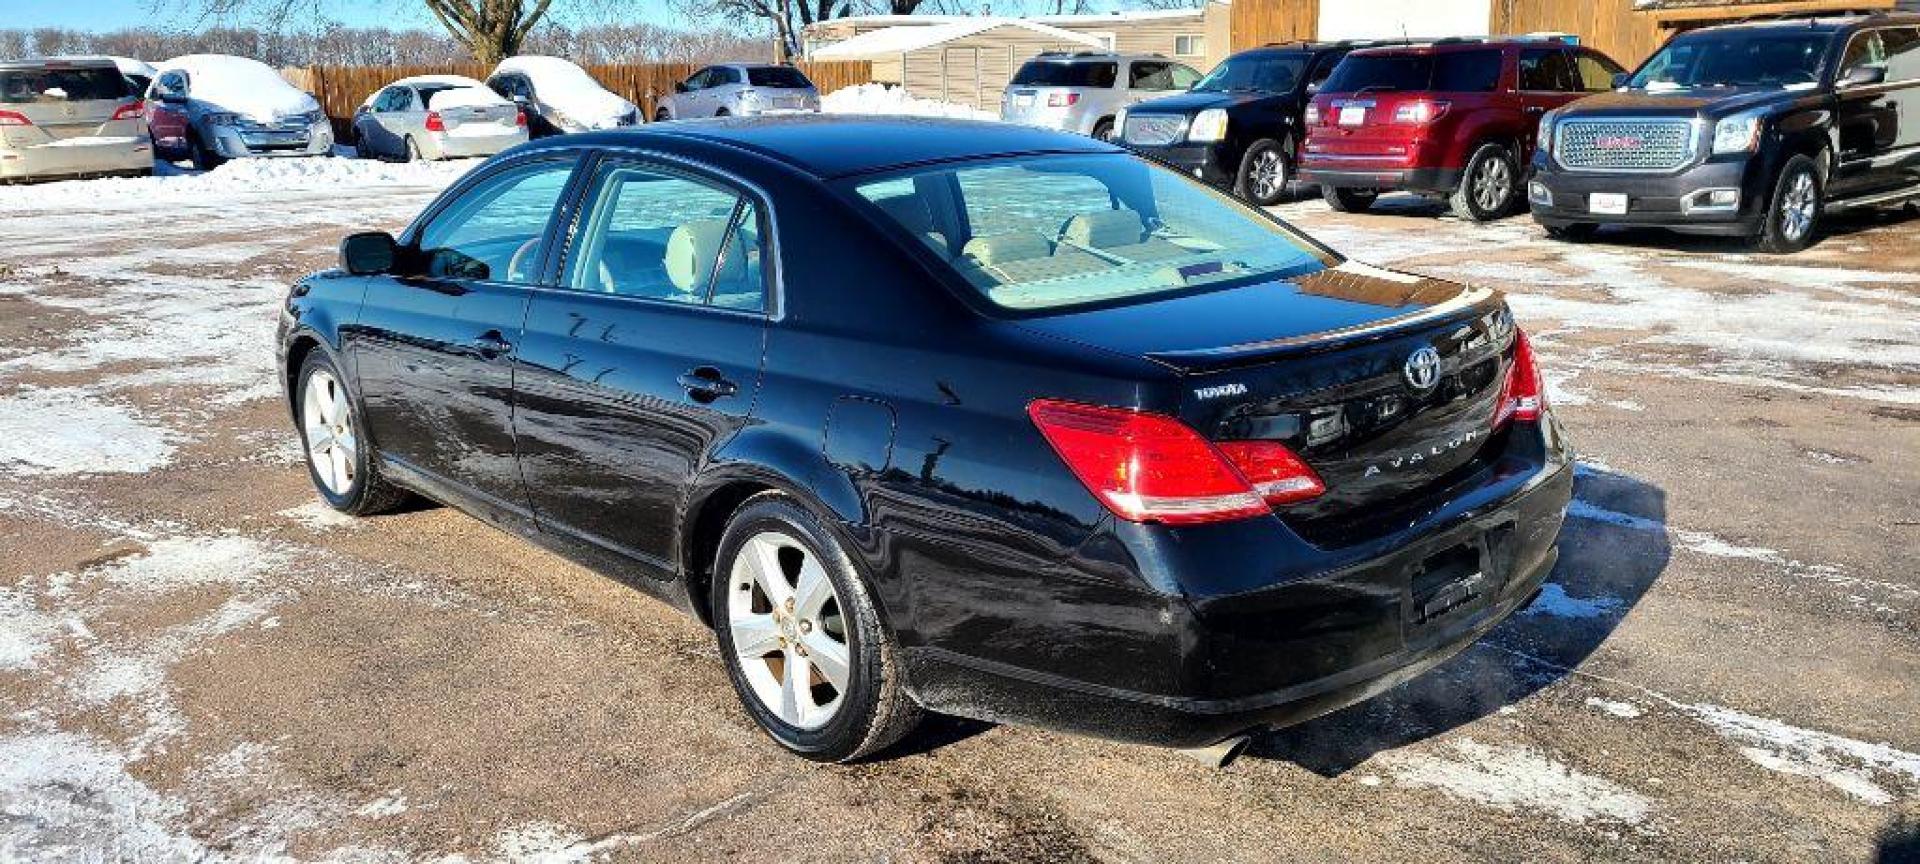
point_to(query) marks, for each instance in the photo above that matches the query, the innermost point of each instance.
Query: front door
(1547, 80)
(1866, 121)
(435, 345)
(645, 359)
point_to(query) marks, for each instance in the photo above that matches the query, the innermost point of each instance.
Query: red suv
(1453, 118)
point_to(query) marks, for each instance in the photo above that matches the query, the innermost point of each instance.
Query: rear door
(1866, 121)
(1903, 75)
(436, 347)
(647, 356)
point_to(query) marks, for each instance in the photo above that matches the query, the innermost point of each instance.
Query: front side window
(1268, 72)
(1595, 71)
(1545, 71)
(1047, 232)
(495, 230)
(1735, 59)
(658, 235)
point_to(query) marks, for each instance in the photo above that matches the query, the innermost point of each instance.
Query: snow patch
(1858, 768)
(172, 563)
(1555, 602)
(1512, 778)
(391, 804)
(882, 99)
(81, 804)
(317, 516)
(64, 430)
(1623, 710)
(25, 632)
(239, 178)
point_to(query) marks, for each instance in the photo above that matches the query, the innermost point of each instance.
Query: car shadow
(1613, 547)
(1899, 842)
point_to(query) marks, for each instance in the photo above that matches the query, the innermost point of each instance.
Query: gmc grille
(1154, 130)
(1624, 145)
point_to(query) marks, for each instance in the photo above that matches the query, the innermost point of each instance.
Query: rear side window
(1469, 71)
(661, 236)
(1052, 73)
(494, 230)
(47, 86)
(778, 76)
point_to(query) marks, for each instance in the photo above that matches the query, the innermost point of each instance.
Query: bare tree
(490, 30)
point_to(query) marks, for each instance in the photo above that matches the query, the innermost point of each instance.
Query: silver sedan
(437, 117)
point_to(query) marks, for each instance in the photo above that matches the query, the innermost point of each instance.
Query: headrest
(1104, 229)
(908, 210)
(1003, 248)
(692, 251)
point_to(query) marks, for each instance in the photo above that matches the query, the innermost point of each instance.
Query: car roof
(838, 145)
(1818, 24)
(1090, 57)
(1448, 46)
(86, 61)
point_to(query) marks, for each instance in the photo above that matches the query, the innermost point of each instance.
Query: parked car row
(1754, 130)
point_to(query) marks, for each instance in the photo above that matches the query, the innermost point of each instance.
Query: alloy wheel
(1268, 174)
(327, 419)
(788, 633)
(1492, 185)
(1797, 207)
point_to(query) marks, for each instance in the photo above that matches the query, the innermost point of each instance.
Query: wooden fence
(342, 89)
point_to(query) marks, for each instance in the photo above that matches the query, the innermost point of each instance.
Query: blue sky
(103, 15)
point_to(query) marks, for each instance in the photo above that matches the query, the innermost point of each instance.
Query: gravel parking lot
(199, 662)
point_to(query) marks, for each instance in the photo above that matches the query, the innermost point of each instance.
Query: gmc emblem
(1618, 142)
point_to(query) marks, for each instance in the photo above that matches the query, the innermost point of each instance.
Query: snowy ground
(199, 663)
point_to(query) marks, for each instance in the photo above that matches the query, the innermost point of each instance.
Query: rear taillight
(1062, 100)
(519, 117)
(14, 118)
(1419, 111)
(130, 110)
(1522, 397)
(434, 123)
(1152, 468)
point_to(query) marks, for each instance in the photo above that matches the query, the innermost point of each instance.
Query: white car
(436, 117)
(559, 96)
(213, 107)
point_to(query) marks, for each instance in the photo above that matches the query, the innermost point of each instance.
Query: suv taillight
(1522, 397)
(14, 118)
(1062, 100)
(130, 110)
(1151, 468)
(434, 123)
(519, 116)
(1419, 111)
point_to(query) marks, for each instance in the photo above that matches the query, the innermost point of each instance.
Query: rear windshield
(30, 86)
(1735, 59)
(1045, 232)
(1053, 73)
(1446, 72)
(778, 77)
(1273, 73)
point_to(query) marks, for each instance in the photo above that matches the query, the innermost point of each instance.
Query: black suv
(1751, 130)
(1240, 127)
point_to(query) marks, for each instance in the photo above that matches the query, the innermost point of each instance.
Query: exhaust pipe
(1219, 755)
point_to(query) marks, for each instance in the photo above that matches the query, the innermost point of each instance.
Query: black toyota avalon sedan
(949, 416)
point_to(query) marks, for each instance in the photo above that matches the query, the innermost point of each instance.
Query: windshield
(1044, 232)
(778, 77)
(62, 85)
(1049, 73)
(1268, 72)
(1735, 59)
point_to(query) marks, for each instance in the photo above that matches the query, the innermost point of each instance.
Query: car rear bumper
(1346, 175)
(1269, 640)
(462, 146)
(1559, 198)
(77, 158)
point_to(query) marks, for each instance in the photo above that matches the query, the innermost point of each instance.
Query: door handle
(491, 344)
(705, 384)
(1536, 109)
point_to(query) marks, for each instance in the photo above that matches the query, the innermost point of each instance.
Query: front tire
(1265, 171)
(1795, 210)
(1489, 187)
(1349, 200)
(803, 644)
(340, 457)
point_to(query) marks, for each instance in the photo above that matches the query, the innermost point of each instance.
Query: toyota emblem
(1423, 368)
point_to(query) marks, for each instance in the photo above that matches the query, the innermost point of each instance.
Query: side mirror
(368, 253)
(1861, 76)
(173, 97)
(1313, 87)
(1620, 79)
(679, 86)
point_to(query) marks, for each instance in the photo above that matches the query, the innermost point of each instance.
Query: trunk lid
(1385, 383)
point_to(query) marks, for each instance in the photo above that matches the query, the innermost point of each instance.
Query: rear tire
(201, 157)
(413, 151)
(722, 113)
(341, 460)
(1489, 187)
(1795, 210)
(1103, 130)
(772, 546)
(1265, 171)
(1349, 200)
(661, 116)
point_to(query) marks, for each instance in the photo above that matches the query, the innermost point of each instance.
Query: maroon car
(1454, 118)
